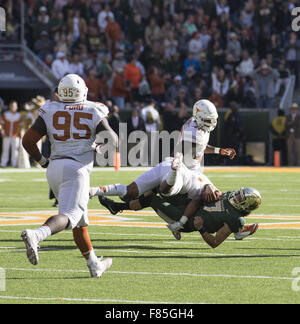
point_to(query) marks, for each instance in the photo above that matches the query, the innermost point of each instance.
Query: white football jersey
(191, 133)
(71, 128)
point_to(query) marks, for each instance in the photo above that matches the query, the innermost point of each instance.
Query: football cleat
(246, 231)
(99, 267)
(177, 162)
(110, 205)
(31, 242)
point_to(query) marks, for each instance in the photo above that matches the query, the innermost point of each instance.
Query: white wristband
(183, 220)
(217, 150)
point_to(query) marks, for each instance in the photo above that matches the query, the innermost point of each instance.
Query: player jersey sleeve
(236, 224)
(102, 112)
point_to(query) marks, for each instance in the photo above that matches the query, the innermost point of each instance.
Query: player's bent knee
(132, 192)
(145, 202)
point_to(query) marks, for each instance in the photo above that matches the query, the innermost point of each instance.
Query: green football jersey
(215, 215)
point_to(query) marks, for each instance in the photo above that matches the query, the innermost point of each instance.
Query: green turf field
(150, 266)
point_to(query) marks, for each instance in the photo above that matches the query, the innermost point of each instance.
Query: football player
(72, 124)
(193, 142)
(208, 199)
(223, 217)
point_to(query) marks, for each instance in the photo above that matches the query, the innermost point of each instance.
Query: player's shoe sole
(98, 269)
(109, 204)
(31, 246)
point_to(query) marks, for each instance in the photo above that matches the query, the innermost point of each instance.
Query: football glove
(230, 152)
(98, 148)
(176, 227)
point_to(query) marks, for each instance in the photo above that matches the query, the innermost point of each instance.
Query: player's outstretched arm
(190, 210)
(104, 126)
(211, 240)
(30, 140)
(230, 152)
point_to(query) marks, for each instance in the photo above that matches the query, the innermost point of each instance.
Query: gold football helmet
(245, 199)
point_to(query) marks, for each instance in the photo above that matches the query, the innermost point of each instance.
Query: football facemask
(245, 200)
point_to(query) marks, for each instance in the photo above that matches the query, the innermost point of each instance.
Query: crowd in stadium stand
(232, 52)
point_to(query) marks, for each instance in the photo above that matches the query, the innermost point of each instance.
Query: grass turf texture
(149, 265)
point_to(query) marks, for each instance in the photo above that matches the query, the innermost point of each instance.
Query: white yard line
(147, 273)
(87, 300)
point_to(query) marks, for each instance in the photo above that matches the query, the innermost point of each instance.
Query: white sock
(116, 190)
(171, 177)
(92, 258)
(43, 232)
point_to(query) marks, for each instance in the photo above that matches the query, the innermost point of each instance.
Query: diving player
(193, 142)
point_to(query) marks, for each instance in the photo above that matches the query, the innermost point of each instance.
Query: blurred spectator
(94, 85)
(170, 118)
(196, 46)
(143, 8)
(157, 84)
(246, 66)
(170, 44)
(77, 25)
(234, 47)
(11, 135)
(234, 131)
(60, 66)
(216, 99)
(152, 32)
(112, 33)
(114, 119)
(136, 29)
(182, 98)
(119, 90)
(191, 61)
(220, 83)
(279, 140)
(284, 74)
(265, 82)
(150, 117)
(190, 26)
(291, 54)
(76, 67)
(234, 94)
(144, 89)
(133, 76)
(293, 136)
(173, 90)
(119, 62)
(102, 17)
(43, 45)
(135, 122)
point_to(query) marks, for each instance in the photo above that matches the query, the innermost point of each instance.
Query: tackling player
(72, 124)
(196, 132)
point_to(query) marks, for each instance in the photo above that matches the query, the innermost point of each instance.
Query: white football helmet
(72, 88)
(206, 115)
